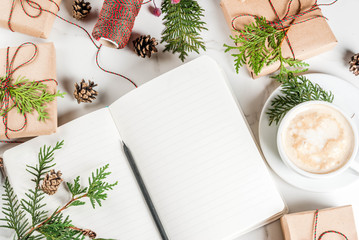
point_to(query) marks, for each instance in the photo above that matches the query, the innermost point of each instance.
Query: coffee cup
(318, 140)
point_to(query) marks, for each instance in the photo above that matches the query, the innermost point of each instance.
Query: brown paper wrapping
(20, 22)
(307, 39)
(42, 67)
(299, 226)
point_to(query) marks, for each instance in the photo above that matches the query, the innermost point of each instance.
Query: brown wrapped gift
(37, 26)
(42, 67)
(307, 39)
(299, 226)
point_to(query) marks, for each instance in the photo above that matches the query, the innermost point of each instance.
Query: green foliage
(182, 26)
(14, 215)
(97, 187)
(295, 90)
(259, 45)
(33, 205)
(55, 226)
(59, 227)
(29, 96)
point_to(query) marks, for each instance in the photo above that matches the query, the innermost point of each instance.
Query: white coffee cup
(300, 130)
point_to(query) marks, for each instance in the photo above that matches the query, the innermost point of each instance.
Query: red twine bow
(287, 21)
(6, 84)
(33, 5)
(326, 232)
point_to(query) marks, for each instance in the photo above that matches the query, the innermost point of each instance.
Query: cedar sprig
(295, 90)
(259, 45)
(33, 204)
(29, 96)
(14, 215)
(183, 24)
(55, 226)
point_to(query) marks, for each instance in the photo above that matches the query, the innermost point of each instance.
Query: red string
(316, 214)
(6, 85)
(116, 20)
(37, 6)
(287, 21)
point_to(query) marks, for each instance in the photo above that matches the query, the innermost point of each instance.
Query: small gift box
(335, 223)
(307, 39)
(28, 62)
(31, 18)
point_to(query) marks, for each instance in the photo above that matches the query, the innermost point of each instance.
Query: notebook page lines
(196, 155)
(91, 142)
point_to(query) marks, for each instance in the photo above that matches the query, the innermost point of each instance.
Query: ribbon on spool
(115, 23)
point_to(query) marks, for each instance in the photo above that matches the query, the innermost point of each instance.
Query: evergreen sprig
(14, 215)
(29, 96)
(259, 45)
(33, 205)
(55, 226)
(295, 90)
(182, 26)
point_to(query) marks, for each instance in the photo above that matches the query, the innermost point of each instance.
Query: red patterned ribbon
(6, 84)
(287, 21)
(316, 214)
(40, 10)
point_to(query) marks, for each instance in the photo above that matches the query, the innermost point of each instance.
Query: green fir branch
(259, 45)
(97, 187)
(295, 90)
(14, 215)
(182, 26)
(29, 96)
(33, 204)
(56, 226)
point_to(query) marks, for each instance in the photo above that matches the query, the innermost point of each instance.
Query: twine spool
(115, 23)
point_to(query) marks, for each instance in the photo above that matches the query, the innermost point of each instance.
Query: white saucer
(346, 96)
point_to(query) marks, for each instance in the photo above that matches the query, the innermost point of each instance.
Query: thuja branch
(295, 90)
(55, 214)
(29, 96)
(259, 45)
(55, 226)
(183, 25)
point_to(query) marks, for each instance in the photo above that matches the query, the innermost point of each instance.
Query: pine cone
(84, 92)
(145, 46)
(354, 64)
(89, 233)
(51, 182)
(80, 9)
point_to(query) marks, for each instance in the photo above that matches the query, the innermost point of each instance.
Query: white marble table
(76, 60)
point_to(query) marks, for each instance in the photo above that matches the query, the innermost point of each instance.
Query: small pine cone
(145, 46)
(80, 9)
(354, 64)
(84, 92)
(89, 233)
(51, 182)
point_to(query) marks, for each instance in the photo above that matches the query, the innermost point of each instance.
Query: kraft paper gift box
(20, 22)
(42, 67)
(300, 226)
(308, 39)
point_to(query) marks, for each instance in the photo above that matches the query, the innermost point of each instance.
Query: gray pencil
(2, 170)
(145, 192)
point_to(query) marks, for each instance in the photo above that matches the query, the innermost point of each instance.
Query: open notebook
(194, 150)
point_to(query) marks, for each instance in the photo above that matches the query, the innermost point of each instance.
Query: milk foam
(318, 139)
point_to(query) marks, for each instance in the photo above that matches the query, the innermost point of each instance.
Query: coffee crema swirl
(318, 139)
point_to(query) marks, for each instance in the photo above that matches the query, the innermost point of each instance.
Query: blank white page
(91, 142)
(197, 156)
